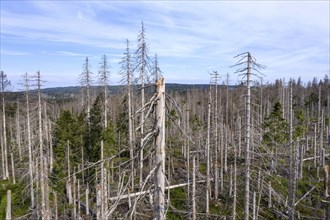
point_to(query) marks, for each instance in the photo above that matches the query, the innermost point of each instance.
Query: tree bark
(8, 209)
(291, 159)
(247, 142)
(26, 78)
(193, 196)
(159, 203)
(208, 186)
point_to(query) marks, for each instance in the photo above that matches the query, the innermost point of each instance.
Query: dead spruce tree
(159, 195)
(127, 77)
(142, 66)
(43, 164)
(5, 83)
(249, 63)
(208, 186)
(26, 79)
(104, 76)
(215, 78)
(86, 83)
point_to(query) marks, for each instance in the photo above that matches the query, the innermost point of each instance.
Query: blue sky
(191, 38)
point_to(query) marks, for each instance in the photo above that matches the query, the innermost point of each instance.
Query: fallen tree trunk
(148, 191)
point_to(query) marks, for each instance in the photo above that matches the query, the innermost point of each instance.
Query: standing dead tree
(4, 83)
(249, 64)
(142, 66)
(104, 76)
(208, 186)
(86, 83)
(215, 78)
(159, 195)
(127, 77)
(43, 164)
(26, 79)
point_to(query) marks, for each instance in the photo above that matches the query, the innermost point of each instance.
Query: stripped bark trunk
(45, 211)
(18, 131)
(29, 139)
(291, 159)
(12, 167)
(159, 196)
(4, 131)
(234, 214)
(326, 181)
(208, 187)
(254, 212)
(193, 196)
(216, 147)
(8, 209)
(87, 199)
(247, 142)
(69, 183)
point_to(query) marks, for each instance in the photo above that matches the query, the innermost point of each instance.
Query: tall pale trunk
(292, 156)
(18, 131)
(193, 196)
(159, 196)
(247, 142)
(43, 161)
(234, 214)
(4, 136)
(29, 140)
(208, 184)
(142, 112)
(216, 171)
(8, 209)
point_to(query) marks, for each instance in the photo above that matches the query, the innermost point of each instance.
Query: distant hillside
(70, 92)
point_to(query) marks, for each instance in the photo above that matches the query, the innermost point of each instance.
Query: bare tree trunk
(159, 204)
(326, 181)
(69, 183)
(86, 82)
(247, 140)
(222, 126)
(51, 158)
(103, 184)
(193, 196)
(78, 199)
(98, 202)
(8, 209)
(26, 78)
(208, 186)
(130, 119)
(87, 199)
(43, 163)
(188, 155)
(216, 147)
(4, 134)
(3, 159)
(55, 206)
(239, 136)
(291, 159)
(12, 167)
(143, 56)
(18, 131)
(234, 214)
(315, 145)
(225, 157)
(74, 197)
(270, 195)
(254, 217)
(231, 181)
(321, 139)
(301, 161)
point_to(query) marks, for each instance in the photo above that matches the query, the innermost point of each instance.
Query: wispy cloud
(13, 53)
(188, 36)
